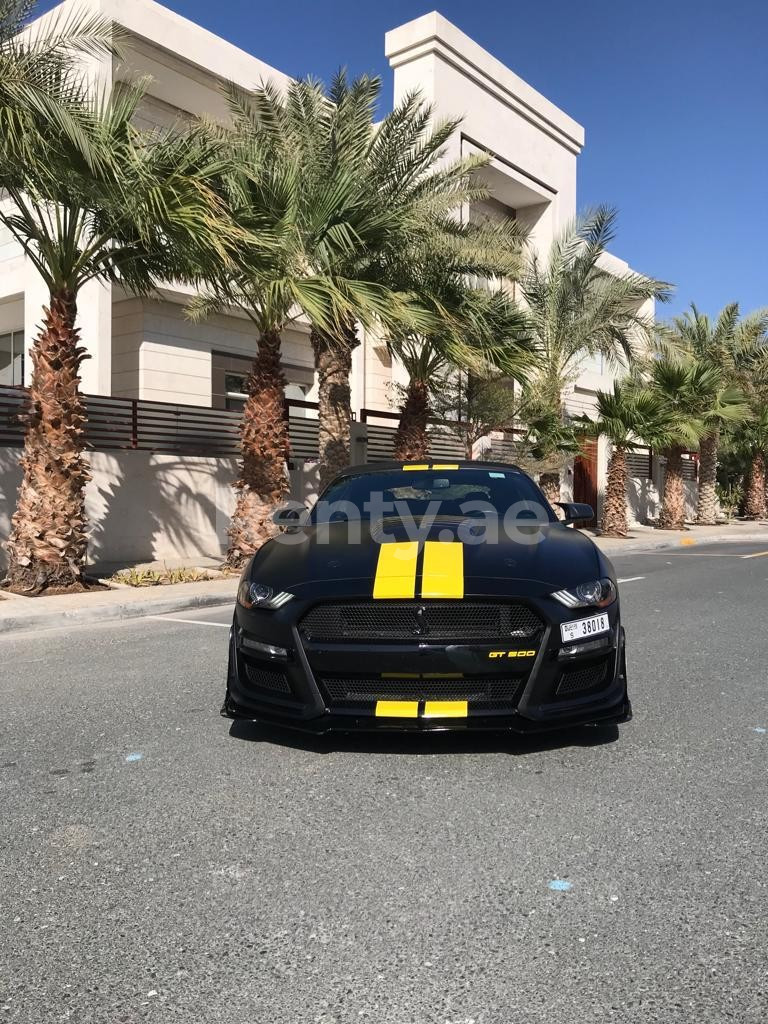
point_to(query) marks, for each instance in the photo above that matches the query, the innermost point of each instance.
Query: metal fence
(131, 423)
(442, 443)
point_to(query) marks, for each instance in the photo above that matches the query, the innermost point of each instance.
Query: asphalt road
(158, 864)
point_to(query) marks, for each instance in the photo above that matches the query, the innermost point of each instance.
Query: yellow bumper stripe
(445, 709)
(397, 709)
(396, 570)
(445, 465)
(406, 468)
(443, 574)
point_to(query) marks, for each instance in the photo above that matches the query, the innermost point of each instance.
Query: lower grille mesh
(435, 620)
(266, 679)
(577, 679)
(487, 691)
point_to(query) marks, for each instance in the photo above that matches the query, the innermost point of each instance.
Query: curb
(664, 544)
(98, 613)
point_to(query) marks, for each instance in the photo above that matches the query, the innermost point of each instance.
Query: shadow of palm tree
(146, 507)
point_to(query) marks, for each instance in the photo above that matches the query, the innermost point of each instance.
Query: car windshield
(442, 491)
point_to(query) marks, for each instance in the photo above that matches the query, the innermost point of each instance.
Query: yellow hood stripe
(443, 572)
(396, 570)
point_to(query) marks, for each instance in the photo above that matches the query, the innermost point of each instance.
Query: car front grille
(488, 692)
(432, 621)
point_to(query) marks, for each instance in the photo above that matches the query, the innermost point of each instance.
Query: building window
(230, 374)
(12, 358)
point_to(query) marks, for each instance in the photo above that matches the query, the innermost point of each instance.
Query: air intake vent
(266, 679)
(576, 680)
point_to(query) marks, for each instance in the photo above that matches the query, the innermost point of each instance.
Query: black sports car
(429, 596)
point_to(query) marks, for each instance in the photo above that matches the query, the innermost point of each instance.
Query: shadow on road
(425, 743)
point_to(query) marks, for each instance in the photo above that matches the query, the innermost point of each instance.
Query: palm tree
(40, 85)
(301, 233)
(694, 395)
(751, 439)
(403, 201)
(105, 204)
(628, 416)
(725, 343)
(578, 308)
(485, 333)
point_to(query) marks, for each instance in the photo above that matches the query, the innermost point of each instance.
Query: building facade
(146, 348)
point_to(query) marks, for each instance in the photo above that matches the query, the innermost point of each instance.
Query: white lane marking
(192, 622)
(631, 579)
(757, 554)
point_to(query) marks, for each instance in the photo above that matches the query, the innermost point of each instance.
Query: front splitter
(330, 723)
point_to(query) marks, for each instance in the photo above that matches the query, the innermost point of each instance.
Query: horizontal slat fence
(130, 423)
(442, 444)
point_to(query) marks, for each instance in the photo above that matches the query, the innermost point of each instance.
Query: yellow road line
(443, 572)
(396, 570)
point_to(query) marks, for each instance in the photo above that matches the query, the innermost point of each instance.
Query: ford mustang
(428, 596)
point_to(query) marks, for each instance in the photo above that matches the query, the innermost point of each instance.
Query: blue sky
(673, 95)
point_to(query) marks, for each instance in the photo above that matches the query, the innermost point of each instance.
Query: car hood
(343, 558)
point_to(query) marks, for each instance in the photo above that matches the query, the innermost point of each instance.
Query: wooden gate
(585, 475)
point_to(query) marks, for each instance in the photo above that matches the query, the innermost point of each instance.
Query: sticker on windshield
(497, 476)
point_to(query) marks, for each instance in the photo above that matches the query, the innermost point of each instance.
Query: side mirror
(576, 511)
(290, 516)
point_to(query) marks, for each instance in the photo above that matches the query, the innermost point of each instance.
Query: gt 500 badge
(511, 654)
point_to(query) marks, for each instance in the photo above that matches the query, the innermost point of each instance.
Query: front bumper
(537, 694)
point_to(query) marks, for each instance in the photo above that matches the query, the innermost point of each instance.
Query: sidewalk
(27, 615)
(646, 538)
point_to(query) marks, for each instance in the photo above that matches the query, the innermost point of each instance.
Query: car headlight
(596, 594)
(259, 595)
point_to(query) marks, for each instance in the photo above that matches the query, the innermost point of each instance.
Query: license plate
(584, 627)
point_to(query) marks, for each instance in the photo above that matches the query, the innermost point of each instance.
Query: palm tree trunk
(706, 506)
(48, 540)
(755, 507)
(673, 502)
(264, 447)
(411, 439)
(550, 485)
(333, 362)
(613, 522)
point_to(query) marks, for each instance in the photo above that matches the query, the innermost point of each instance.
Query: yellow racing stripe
(445, 709)
(445, 465)
(443, 572)
(406, 468)
(396, 570)
(397, 709)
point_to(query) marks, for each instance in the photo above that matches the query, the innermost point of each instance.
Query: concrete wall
(644, 496)
(148, 507)
(144, 506)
